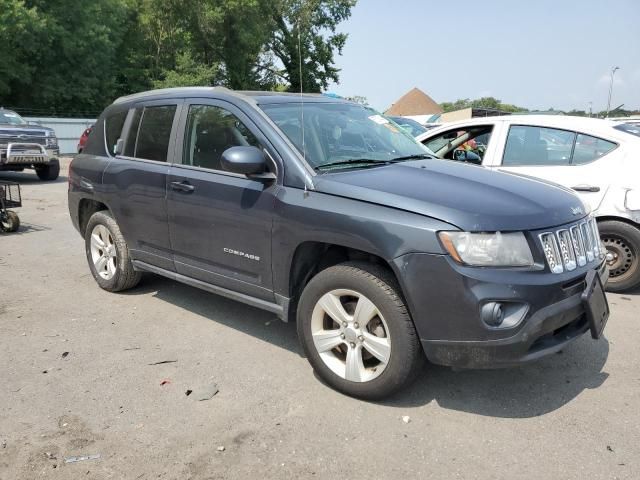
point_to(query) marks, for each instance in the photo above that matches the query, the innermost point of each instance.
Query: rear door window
(154, 133)
(529, 145)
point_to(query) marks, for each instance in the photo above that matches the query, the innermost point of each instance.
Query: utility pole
(613, 72)
(590, 109)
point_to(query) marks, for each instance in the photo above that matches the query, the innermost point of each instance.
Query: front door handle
(586, 188)
(182, 186)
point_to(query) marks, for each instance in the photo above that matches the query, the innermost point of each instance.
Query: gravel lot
(575, 415)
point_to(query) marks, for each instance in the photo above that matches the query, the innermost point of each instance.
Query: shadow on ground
(29, 177)
(27, 228)
(528, 391)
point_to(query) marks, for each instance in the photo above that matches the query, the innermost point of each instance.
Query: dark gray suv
(325, 212)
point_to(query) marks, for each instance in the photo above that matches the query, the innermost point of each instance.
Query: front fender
(309, 216)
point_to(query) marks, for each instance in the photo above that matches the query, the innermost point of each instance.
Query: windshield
(632, 128)
(7, 117)
(413, 127)
(342, 133)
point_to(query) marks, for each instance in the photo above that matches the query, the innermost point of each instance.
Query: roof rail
(161, 91)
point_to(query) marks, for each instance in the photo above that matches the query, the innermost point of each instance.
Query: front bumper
(445, 301)
(26, 154)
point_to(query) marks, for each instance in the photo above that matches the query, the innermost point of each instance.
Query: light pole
(613, 72)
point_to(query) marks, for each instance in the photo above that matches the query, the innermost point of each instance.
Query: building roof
(414, 102)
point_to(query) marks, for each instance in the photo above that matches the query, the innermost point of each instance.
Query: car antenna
(304, 146)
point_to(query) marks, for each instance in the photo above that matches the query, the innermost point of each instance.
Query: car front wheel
(48, 172)
(357, 332)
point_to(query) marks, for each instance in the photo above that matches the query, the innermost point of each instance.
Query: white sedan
(599, 159)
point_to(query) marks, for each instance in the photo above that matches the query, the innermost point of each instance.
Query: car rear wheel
(108, 254)
(622, 242)
(49, 172)
(357, 332)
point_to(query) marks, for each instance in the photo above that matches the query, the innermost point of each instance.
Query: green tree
(188, 72)
(21, 32)
(484, 102)
(69, 54)
(305, 34)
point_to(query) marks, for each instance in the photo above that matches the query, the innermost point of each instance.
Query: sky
(532, 53)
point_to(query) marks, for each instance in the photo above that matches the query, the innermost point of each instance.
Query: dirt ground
(574, 415)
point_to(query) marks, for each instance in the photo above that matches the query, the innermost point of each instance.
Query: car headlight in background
(488, 249)
(51, 139)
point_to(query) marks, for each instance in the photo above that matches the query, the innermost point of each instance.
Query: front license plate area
(595, 304)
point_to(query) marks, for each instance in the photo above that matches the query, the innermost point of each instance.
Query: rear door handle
(182, 186)
(586, 188)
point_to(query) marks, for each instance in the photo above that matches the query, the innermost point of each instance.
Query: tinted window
(589, 148)
(154, 133)
(210, 131)
(130, 147)
(528, 145)
(113, 128)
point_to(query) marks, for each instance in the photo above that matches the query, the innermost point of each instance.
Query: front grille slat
(568, 248)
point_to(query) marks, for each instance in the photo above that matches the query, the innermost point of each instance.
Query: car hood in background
(470, 197)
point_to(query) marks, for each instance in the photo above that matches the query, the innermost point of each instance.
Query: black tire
(49, 172)
(125, 276)
(623, 241)
(11, 222)
(379, 285)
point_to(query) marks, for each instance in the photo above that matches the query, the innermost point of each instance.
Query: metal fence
(68, 130)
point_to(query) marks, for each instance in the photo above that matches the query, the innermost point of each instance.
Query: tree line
(75, 57)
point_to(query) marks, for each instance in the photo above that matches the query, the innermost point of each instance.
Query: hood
(29, 130)
(469, 197)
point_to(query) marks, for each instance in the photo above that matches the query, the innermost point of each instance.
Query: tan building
(415, 103)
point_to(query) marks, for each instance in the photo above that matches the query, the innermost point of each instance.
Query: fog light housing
(503, 314)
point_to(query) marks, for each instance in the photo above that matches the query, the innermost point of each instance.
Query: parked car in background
(83, 138)
(339, 220)
(26, 145)
(599, 159)
(410, 125)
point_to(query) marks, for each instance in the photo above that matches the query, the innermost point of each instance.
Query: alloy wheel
(103, 252)
(351, 335)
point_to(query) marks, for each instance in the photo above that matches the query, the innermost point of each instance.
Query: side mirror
(118, 147)
(31, 122)
(250, 161)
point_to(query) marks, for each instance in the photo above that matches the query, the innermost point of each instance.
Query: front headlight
(51, 140)
(488, 249)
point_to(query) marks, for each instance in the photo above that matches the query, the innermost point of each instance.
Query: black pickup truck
(327, 213)
(26, 145)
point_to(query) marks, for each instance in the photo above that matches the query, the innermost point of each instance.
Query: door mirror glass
(244, 160)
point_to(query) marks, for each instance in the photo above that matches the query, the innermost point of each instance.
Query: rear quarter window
(588, 148)
(113, 124)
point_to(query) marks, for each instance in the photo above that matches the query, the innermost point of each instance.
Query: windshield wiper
(411, 157)
(353, 161)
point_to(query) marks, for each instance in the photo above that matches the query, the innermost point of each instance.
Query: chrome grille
(578, 245)
(567, 248)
